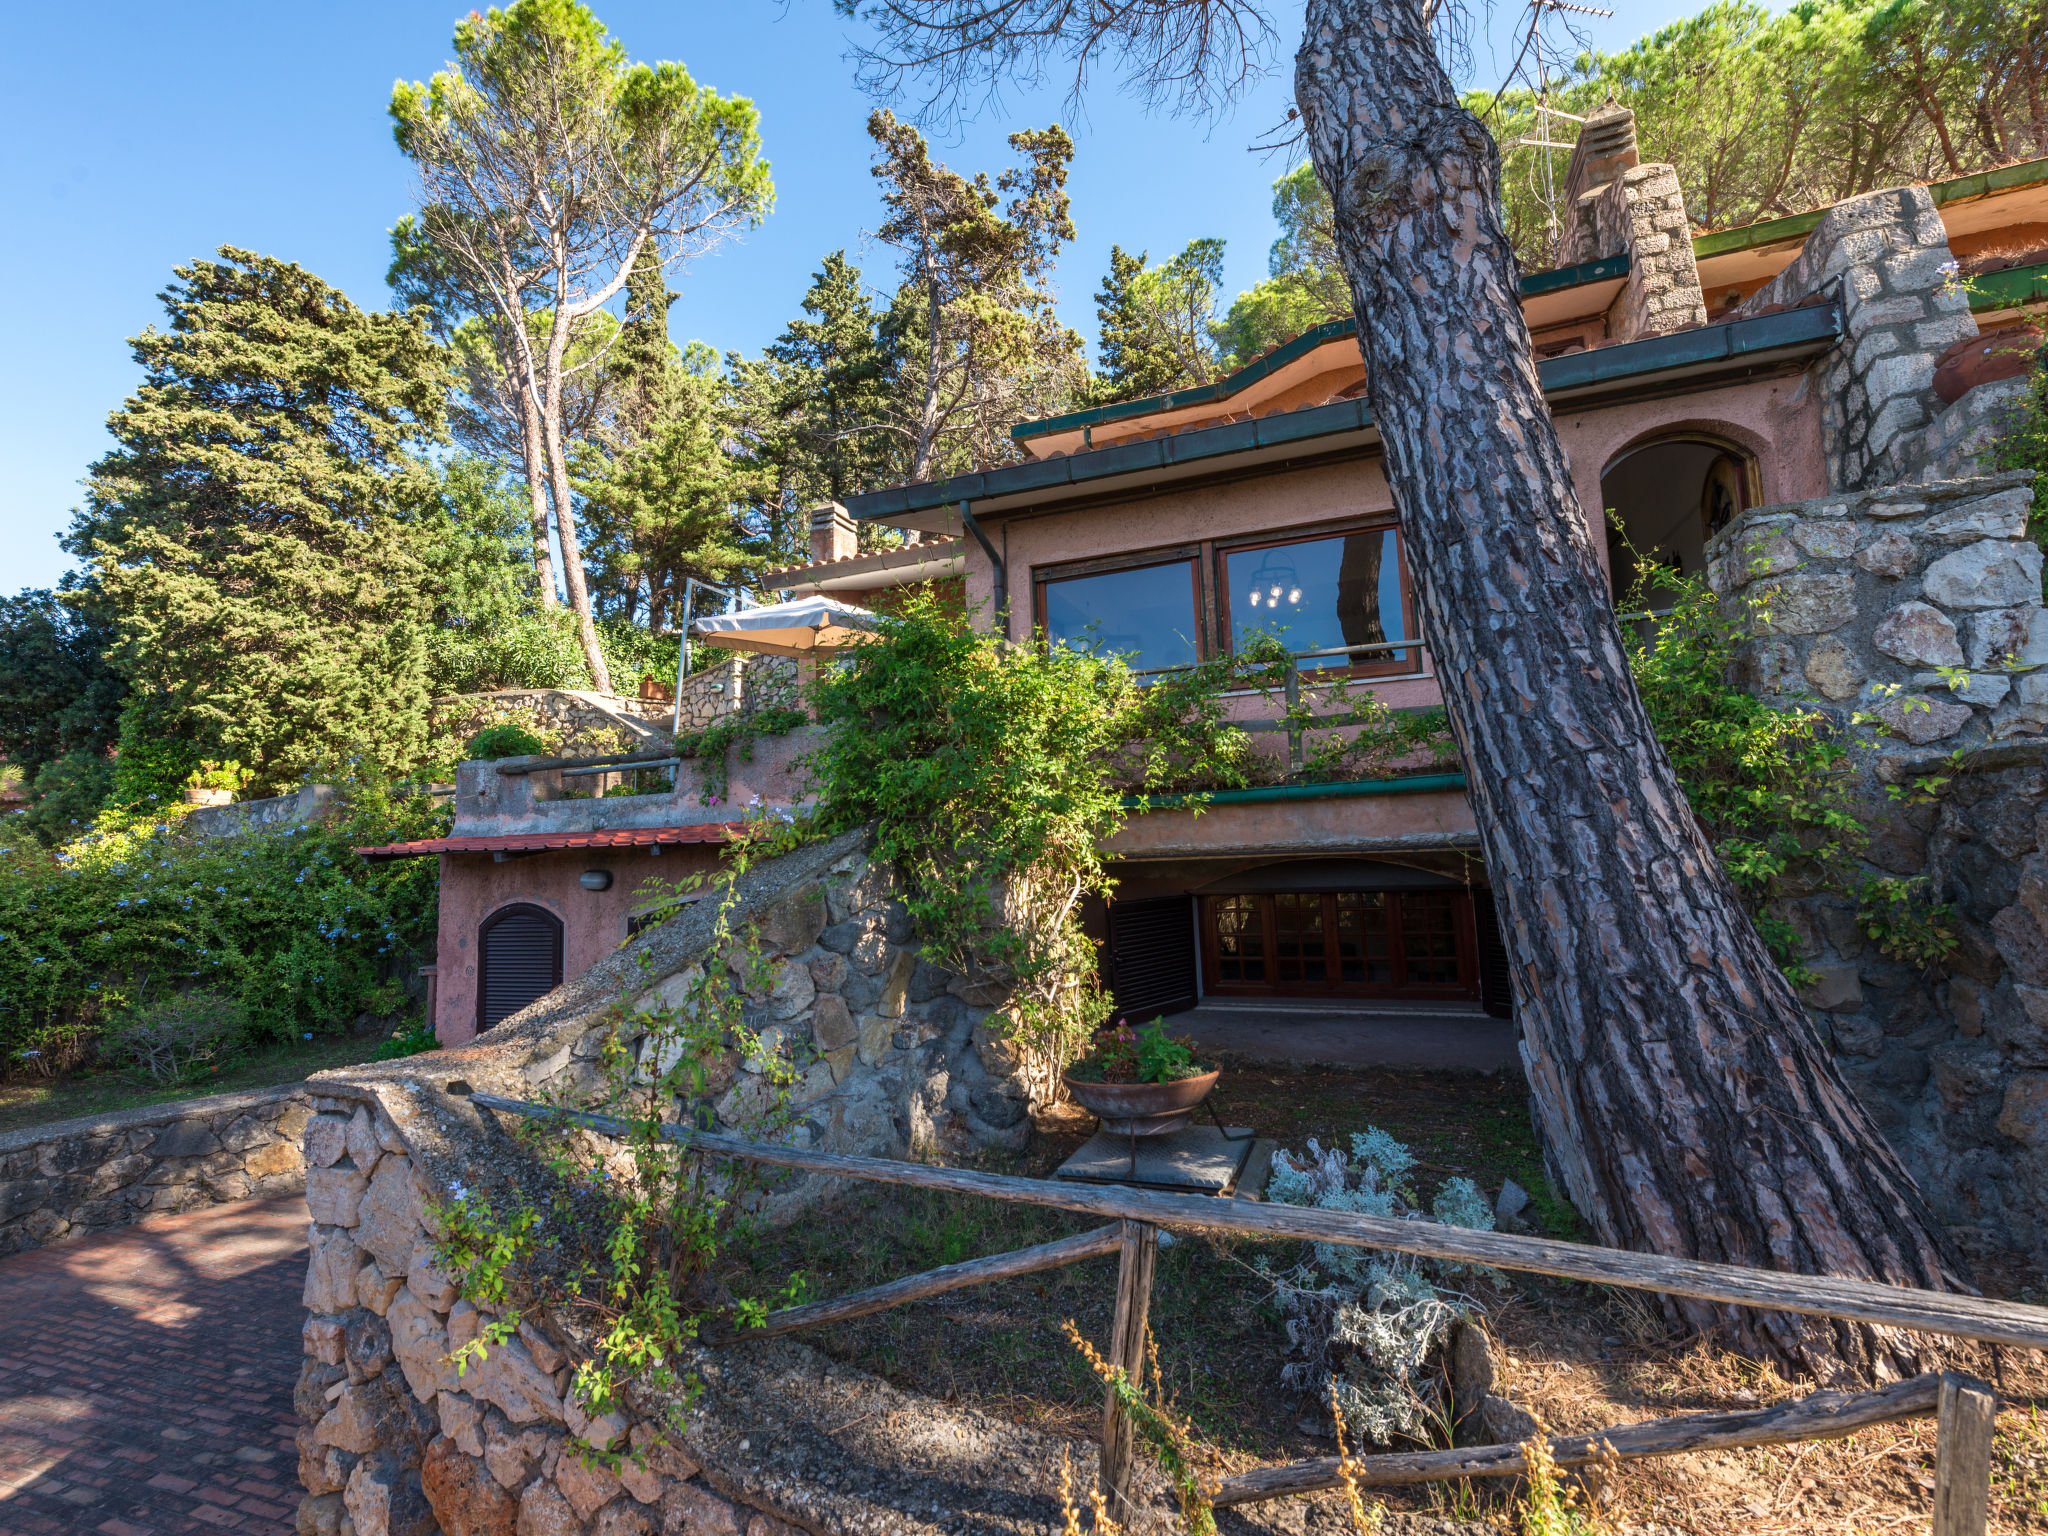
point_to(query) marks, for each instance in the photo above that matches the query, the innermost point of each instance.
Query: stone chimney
(833, 535)
(1615, 205)
(1606, 148)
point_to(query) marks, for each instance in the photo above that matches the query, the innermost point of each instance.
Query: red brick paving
(146, 1377)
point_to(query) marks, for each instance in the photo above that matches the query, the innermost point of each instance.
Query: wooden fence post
(1127, 1349)
(1962, 1462)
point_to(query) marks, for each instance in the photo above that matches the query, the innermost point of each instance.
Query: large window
(1146, 614)
(1319, 594)
(1385, 943)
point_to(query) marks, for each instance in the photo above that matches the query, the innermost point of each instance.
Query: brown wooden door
(1340, 943)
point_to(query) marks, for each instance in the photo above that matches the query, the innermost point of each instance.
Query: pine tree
(249, 534)
(833, 376)
(1155, 322)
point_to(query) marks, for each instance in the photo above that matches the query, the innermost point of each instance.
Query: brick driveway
(146, 1377)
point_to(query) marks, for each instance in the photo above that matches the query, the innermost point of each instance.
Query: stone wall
(743, 684)
(892, 1053)
(1864, 597)
(1642, 212)
(580, 723)
(1958, 444)
(1873, 591)
(1884, 258)
(310, 802)
(75, 1177)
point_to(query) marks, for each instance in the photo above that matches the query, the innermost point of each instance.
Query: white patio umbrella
(798, 628)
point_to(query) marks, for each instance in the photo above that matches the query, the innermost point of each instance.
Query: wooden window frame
(1466, 988)
(483, 952)
(1226, 636)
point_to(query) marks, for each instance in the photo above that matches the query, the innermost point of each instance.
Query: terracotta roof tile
(528, 842)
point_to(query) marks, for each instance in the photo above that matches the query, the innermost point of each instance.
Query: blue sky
(141, 135)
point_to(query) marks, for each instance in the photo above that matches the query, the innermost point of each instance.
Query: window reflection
(1146, 615)
(1322, 593)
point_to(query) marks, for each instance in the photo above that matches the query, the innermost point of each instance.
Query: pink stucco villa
(1690, 378)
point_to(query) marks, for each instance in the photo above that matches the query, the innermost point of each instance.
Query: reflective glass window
(1322, 593)
(1146, 614)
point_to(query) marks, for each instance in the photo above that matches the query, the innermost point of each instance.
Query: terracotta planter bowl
(1142, 1109)
(209, 797)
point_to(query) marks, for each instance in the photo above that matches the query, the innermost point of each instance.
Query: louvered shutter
(520, 953)
(1496, 986)
(1152, 956)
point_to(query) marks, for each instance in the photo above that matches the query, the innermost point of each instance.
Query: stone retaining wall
(75, 1177)
(743, 684)
(892, 1053)
(1869, 593)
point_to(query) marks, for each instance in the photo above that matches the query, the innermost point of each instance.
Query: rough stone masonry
(1918, 607)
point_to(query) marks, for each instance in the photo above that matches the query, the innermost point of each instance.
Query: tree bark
(534, 453)
(1686, 1103)
(551, 407)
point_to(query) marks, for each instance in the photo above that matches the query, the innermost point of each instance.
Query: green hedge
(286, 920)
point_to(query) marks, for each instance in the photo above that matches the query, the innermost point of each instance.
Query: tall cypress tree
(833, 378)
(249, 534)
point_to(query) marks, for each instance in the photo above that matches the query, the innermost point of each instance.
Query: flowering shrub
(287, 922)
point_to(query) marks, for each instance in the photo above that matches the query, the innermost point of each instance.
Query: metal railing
(1966, 1408)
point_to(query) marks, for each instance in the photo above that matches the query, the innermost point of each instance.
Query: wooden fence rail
(1966, 1408)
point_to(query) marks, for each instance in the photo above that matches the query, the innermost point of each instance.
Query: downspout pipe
(1000, 574)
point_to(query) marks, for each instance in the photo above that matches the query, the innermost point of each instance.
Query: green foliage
(58, 694)
(1902, 918)
(409, 1040)
(210, 774)
(506, 740)
(711, 746)
(1304, 286)
(551, 167)
(824, 380)
(67, 795)
(1771, 787)
(974, 341)
(1768, 114)
(288, 922)
(989, 772)
(175, 1039)
(1121, 1054)
(1155, 323)
(249, 535)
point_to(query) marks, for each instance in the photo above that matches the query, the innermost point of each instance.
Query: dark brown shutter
(519, 958)
(1496, 989)
(1152, 956)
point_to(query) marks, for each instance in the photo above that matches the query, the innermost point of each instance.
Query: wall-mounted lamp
(595, 879)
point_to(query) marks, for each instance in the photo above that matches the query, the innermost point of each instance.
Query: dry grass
(1581, 1357)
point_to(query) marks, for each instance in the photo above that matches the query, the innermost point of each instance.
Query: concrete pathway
(1416, 1037)
(146, 1377)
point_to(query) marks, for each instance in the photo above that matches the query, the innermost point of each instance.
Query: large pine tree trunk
(1685, 1100)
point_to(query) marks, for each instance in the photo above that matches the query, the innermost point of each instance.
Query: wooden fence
(1965, 1407)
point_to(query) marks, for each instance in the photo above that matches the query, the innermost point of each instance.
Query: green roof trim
(1799, 225)
(1801, 332)
(1533, 286)
(2009, 289)
(1414, 784)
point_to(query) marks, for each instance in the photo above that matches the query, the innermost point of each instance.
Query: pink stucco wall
(473, 886)
(1776, 419)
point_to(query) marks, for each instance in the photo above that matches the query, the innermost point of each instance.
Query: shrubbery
(286, 925)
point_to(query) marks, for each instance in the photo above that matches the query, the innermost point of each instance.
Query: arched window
(518, 959)
(1671, 496)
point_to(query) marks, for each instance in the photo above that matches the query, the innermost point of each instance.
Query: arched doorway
(518, 959)
(1670, 497)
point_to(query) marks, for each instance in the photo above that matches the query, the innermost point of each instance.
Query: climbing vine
(621, 1238)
